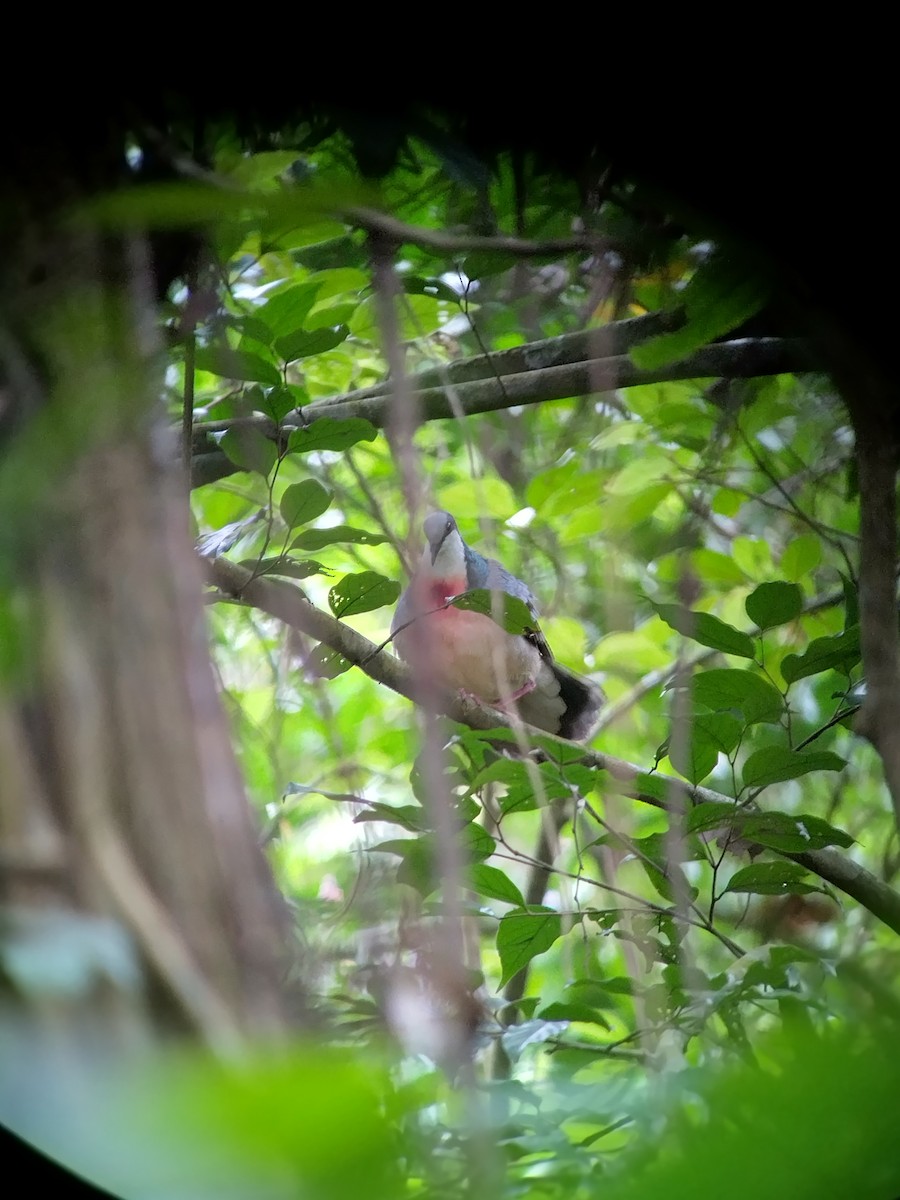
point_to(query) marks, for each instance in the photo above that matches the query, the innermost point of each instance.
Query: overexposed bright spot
(522, 519)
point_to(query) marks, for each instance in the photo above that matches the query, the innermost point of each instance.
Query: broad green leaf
(750, 694)
(509, 771)
(285, 311)
(278, 402)
(326, 433)
(801, 556)
(408, 816)
(342, 281)
(252, 327)
(304, 343)
(523, 934)
(706, 629)
(771, 879)
(650, 469)
(419, 316)
(511, 613)
(480, 264)
(236, 364)
(559, 1010)
(753, 556)
(711, 815)
(713, 567)
(330, 315)
(773, 764)
(303, 502)
(315, 539)
(494, 883)
(838, 653)
(361, 593)
(418, 859)
(250, 449)
(327, 663)
(724, 291)
(792, 834)
(417, 285)
(283, 564)
(722, 730)
(696, 757)
(774, 604)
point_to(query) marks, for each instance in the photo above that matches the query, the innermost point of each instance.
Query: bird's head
(445, 553)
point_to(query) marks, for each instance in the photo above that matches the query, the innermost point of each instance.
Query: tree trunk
(135, 902)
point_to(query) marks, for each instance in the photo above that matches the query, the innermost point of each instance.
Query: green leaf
(326, 663)
(303, 502)
(729, 688)
(292, 568)
(721, 730)
(706, 629)
(408, 816)
(278, 402)
(724, 292)
(252, 327)
(416, 285)
(284, 312)
(282, 564)
(523, 934)
(236, 364)
(418, 858)
(771, 879)
(774, 604)
(801, 556)
(326, 433)
(494, 883)
(697, 758)
(711, 815)
(837, 653)
(249, 449)
(559, 1010)
(776, 763)
(315, 539)
(792, 834)
(361, 593)
(482, 263)
(509, 612)
(304, 343)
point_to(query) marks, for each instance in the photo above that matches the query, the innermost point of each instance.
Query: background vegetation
(650, 965)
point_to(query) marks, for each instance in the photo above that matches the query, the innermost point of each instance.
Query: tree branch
(606, 341)
(287, 603)
(392, 230)
(746, 358)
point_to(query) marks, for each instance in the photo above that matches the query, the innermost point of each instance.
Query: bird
(470, 652)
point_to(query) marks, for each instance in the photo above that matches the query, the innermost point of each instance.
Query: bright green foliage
(695, 551)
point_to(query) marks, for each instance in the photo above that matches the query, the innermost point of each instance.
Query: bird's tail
(583, 700)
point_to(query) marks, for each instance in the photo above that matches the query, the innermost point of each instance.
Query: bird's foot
(506, 701)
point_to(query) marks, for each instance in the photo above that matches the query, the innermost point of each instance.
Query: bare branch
(392, 230)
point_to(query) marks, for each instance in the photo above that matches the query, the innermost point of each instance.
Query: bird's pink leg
(523, 691)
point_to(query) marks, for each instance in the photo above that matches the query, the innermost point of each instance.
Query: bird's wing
(497, 578)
